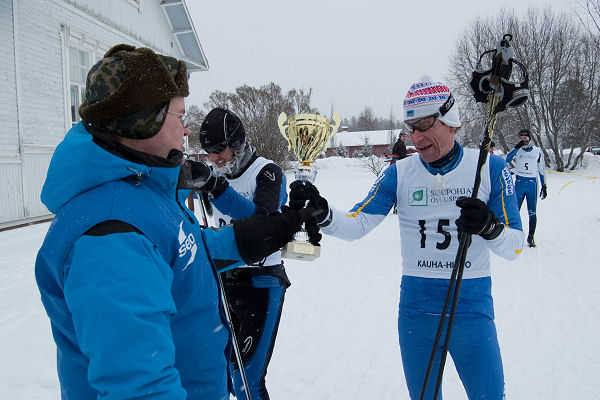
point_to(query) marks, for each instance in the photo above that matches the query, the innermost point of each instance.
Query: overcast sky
(351, 53)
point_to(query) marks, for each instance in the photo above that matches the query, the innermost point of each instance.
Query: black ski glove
(260, 235)
(544, 192)
(477, 219)
(204, 179)
(520, 144)
(303, 191)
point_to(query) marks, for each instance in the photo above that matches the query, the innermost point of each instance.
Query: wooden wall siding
(9, 139)
(33, 35)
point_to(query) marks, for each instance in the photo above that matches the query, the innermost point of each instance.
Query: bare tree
(367, 120)
(391, 126)
(195, 116)
(374, 164)
(557, 53)
(366, 149)
(588, 12)
(259, 109)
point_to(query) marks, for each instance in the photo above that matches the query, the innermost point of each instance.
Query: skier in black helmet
(247, 185)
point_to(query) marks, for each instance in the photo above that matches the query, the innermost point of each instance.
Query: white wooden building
(48, 46)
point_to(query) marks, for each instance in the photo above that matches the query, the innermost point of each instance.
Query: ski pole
(236, 347)
(497, 100)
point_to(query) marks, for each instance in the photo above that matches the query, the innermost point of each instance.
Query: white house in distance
(48, 46)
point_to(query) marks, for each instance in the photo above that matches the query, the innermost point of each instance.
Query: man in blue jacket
(126, 274)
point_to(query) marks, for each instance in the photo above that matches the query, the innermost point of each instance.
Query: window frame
(83, 43)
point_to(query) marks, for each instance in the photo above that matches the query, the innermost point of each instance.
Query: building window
(80, 52)
(79, 65)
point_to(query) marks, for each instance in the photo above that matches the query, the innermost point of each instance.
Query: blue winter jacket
(135, 312)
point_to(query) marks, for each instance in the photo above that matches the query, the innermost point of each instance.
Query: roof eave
(183, 29)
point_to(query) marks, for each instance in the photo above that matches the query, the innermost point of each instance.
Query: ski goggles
(422, 124)
(216, 148)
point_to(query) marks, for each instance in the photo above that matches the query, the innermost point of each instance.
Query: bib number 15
(442, 223)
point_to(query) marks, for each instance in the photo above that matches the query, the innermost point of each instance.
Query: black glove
(204, 179)
(260, 235)
(544, 192)
(310, 227)
(520, 144)
(477, 219)
(303, 191)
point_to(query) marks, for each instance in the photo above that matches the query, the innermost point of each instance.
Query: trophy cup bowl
(307, 136)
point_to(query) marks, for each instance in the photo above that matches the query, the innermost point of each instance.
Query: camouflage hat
(128, 92)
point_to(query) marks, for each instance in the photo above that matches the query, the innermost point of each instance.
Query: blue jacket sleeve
(511, 154)
(234, 204)
(222, 248)
(541, 164)
(503, 203)
(118, 289)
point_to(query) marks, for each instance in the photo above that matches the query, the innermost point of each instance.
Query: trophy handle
(337, 119)
(280, 121)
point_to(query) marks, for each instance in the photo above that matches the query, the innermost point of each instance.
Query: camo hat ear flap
(128, 92)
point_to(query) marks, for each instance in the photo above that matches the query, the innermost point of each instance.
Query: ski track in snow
(338, 333)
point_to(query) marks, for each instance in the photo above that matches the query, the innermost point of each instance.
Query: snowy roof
(358, 138)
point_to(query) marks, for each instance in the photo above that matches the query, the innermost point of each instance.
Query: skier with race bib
(432, 193)
(529, 163)
(247, 185)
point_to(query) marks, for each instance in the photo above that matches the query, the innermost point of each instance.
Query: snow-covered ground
(338, 339)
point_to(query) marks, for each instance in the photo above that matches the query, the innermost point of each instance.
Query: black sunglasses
(216, 148)
(422, 124)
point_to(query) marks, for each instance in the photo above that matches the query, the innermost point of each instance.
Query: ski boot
(530, 241)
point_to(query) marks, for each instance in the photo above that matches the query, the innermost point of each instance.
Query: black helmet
(221, 128)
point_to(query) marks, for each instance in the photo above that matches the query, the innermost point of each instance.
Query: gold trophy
(307, 136)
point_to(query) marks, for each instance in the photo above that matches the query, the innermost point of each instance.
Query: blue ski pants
(256, 300)
(473, 347)
(526, 188)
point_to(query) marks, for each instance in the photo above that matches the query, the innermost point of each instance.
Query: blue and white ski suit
(425, 199)
(529, 163)
(255, 292)
(135, 309)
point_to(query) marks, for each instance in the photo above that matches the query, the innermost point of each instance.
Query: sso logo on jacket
(508, 182)
(187, 245)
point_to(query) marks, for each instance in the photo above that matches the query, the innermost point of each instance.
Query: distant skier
(432, 212)
(399, 149)
(529, 163)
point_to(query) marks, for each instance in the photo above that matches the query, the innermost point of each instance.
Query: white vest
(427, 213)
(245, 186)
(526, 162)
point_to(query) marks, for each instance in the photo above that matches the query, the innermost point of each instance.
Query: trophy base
(298, 250)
